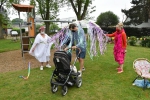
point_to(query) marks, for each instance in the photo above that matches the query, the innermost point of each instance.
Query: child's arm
(111, 35)
(124, 40)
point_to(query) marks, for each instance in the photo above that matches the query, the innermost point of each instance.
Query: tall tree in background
(82, 8)
(33, 3)
(48, 9)
(107, 19)
(5, 6)
(139, 13)
(16, 21)
(3, 17)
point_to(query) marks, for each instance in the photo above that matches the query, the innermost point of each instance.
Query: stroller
(142, 68)
(64, 74)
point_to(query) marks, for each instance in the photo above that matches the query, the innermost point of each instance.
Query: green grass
(8, 45)
(100, 81)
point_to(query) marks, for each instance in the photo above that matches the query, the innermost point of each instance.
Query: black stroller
(64, 75)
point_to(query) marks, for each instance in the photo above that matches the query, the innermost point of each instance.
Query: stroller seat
(64, 73)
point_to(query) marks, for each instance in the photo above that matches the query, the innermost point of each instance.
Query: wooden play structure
(26, 40)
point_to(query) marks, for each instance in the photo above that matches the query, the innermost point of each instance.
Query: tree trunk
(47, 16)
(47, 27)
(80, 13)
(1, 33)
(79, 17)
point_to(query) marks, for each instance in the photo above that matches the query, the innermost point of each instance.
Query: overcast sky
(101, 6)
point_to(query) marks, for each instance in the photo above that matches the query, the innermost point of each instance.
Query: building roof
(23, 8)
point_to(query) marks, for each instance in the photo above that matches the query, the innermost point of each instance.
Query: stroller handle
(76, 48)
(76, 55)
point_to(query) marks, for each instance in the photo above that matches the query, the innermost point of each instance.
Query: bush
(85, 30)
(37, 28)
(132, 40)
(130, 31)
(18, 30)
(148, 43)
(145, 42)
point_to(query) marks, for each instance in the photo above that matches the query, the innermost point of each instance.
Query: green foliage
(47, 9)
(54, 26)
(18, 30)
(4, 19)
(8, 45)
(37, 28)
(82, 8)
(32, 2)
(131, 31)
(5, 6)
(17, 21)
(132, 40)
(85, 30)
(139, 12)
(145, 42)
(107, 19)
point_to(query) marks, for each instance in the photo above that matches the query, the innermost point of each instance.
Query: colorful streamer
(95, 33)
(28, 73)
(59, 37)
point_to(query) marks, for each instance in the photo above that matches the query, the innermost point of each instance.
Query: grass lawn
(100, 81)
(8, 45)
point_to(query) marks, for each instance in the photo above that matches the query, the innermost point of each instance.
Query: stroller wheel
(64, 90)
(54, 88)
(78, 82)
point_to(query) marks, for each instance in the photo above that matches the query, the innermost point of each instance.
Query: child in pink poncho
(119, 46)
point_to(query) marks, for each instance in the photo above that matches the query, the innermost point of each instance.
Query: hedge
(18, 30)
(130, 31)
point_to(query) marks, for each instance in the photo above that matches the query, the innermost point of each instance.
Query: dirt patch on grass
(13, 61)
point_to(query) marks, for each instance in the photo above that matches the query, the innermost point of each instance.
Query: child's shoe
(120, 70)
(41, 68)
(48, 66)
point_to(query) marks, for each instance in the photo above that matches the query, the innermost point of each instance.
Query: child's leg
(41, 63)
(121, 66)
(41, 68)
(47, 63)
(81, 61)
(120, 69)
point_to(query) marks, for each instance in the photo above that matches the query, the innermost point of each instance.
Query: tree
(54, 26)
(139, 13)
(17, 21)
(82, 8)
(3, 17)
(4, 10)
(48, 9)
(107, 19)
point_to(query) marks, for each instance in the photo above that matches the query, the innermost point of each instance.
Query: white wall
(141, 25)
(8, 31)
